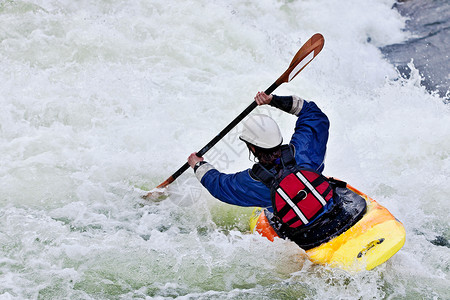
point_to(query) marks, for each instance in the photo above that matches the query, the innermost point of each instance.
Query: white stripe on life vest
(311, 188)
(291, 204)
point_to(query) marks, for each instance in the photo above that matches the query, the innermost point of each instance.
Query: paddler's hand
(261, 98)
(193, 159)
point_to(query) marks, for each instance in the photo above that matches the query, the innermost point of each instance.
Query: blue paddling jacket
(309, 140)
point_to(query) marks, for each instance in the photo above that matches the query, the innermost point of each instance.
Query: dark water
(429, 46)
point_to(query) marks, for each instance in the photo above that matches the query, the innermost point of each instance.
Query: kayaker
(301, 216)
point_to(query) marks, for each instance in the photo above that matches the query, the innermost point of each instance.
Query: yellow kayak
(375, 238)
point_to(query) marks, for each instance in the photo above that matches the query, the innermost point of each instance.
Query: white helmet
(262, 131)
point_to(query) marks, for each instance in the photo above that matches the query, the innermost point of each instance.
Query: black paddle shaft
(227, 129)
(303, 57)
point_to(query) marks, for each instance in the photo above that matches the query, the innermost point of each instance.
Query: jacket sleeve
(310, 137)
(237, 188)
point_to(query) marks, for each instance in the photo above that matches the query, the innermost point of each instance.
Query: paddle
(303, 57)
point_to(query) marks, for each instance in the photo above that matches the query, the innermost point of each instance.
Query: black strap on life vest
(287, 161)
(298, 195)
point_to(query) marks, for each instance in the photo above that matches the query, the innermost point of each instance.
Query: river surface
(100, 101)
(428, 47)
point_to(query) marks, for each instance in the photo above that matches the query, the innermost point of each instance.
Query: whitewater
(100, 101)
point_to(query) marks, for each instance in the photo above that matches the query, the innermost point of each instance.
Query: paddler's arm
(236, 189)
(310, 136)
(289, 104)
(311, 129)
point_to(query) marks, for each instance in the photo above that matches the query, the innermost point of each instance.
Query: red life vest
(298, 195)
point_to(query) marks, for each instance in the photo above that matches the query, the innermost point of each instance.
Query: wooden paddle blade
(166, 183)
(159, 191)
(156, 195)
(304, 56)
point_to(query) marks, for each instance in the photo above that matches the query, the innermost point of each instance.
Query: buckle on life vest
(300, 196)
